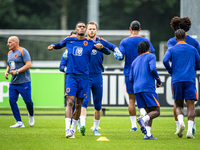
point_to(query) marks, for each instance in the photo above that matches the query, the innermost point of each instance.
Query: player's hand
(13, 72)
(50, 47)
(6, 75)
(65, 55)
(159, 83)
(99, 46)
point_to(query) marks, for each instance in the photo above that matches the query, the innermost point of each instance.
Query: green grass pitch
(49, 134)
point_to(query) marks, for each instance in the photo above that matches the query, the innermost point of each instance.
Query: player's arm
(102, 48)
(131, 73)
(7, 72)
(152, 48)
(57, 45)
(152, 64)
(22, 69)
(63, 64)
(166, 60)
(197, 61)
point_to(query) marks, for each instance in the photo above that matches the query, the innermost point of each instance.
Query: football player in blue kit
(19, 63)
(185, 24)
(95, 78)
(128, 48)
(185, 61)
(143, 79)
(79, 53)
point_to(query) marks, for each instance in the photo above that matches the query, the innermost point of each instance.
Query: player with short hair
(143, 79)
(79, 52)
(185, 24)
(19, 63)
(128, 48)
(185, 61)
(95, 79)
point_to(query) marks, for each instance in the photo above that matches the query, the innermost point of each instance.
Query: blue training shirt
(17, 60)
(96, 62)
(143, 73)
(189, 40)
(128, 47)
(79, 54)
(185, 60)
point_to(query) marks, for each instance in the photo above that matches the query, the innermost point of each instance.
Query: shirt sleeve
(152, 64)
(166, 60)
(26, 56)
(107, 44)
(63, 64)
(122, 48)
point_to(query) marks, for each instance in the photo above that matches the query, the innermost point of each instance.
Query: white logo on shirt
(12, 65)
(77, 51)
(94, 52)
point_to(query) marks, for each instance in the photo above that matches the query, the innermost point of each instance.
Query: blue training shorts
(76, 87)
(96, 85)
(147, 99)
(184, 90)
(129, 85)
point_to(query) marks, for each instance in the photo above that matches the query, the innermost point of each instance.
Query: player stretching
(128, 47)
(185, 60)
(143, 79)
(95, 79)
(185, 24)
(79, 53)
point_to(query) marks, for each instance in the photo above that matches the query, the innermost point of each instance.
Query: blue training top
(17, 60)
(96, 62)
(79, 54)
(185, 60)
(128, 47)
(143, 73)
(189, 40)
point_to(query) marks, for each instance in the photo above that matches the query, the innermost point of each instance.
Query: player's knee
(98, 107)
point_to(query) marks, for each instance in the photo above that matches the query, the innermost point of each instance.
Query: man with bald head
(19, 63)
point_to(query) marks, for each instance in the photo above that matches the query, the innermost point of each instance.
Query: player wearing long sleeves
(79, 53)
(143, 79)
(95, 79)
(128, 48)
(185, 24)
(185, 60)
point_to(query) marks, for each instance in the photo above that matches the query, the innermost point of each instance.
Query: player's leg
(178, 91)
(25, 91)
(81, 94)
(191, 116)
(97, 92)
(85, 105)
(191, 97)
(175, 117)
(13, 97)
(131, 105)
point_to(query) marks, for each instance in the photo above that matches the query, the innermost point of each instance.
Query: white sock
(67, 123)
(133, 121)
(96, 124)
(142, 112)
(73, 126)
(148, 128)
(190, 125)
(177, 125)
(180, 119)
(82, 120)
(146, 118)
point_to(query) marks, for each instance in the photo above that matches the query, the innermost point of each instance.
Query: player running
(143, 79)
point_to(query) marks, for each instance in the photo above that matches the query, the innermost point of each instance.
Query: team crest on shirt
(16, 55)
(94, 52)
(77, 51)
